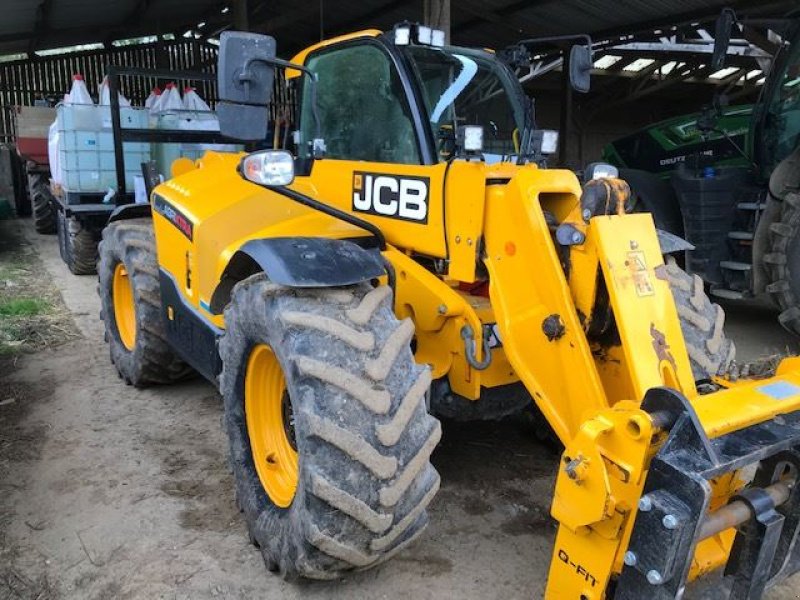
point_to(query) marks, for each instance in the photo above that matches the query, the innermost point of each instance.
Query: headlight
(268, 167)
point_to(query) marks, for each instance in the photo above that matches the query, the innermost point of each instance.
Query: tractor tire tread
(361, 425)
(710, 352)
(152, 361)
(44, 213)
(81, 249)
(782, 234)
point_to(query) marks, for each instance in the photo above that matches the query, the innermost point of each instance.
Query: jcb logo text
(391, 196)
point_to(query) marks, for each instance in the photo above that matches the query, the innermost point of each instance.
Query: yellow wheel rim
(270, 426)
(124, 307)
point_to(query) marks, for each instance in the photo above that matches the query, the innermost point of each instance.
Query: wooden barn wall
(21, 82)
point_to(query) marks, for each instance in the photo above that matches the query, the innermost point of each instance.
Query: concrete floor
(754, 328)
(122, 493)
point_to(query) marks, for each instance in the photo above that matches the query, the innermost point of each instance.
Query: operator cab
(391, 98)
(400, 97)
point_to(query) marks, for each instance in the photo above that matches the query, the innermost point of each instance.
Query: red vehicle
(33, 123)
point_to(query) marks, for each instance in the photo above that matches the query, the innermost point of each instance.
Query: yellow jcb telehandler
(413, 257)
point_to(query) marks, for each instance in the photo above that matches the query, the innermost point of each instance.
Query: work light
(470, 138)
(424, 35)
(402, 35)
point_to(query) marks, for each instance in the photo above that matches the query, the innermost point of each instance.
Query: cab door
(376, 164)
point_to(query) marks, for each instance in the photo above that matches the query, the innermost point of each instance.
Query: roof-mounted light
(470, 138)
(402, 35)
(406, 33)
(424, 35)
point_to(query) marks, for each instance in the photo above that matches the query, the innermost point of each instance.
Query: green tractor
(727, 179)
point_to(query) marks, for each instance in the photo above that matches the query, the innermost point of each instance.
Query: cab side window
(362, 106)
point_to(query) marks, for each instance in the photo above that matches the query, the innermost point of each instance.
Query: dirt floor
(111, 492)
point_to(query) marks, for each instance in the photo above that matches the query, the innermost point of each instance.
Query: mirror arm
(246, 76)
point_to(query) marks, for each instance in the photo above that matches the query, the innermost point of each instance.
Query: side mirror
(269, 168)
(580, 68)
(722, 37)
(245, 75)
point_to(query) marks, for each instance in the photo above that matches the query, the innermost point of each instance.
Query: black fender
(656, 196)
(299, 262)
(130, 211)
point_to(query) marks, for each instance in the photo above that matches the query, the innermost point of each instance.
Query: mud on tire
(711, 353)
(44, 214)
(783, 263)
(77, 245)
(152, 360)
(363, 434)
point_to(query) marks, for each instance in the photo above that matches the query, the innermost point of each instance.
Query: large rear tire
(356, 489)
(80, 247)
(711, 353)
(44, 213)
(783, 263)
(61, 232)
(19, 176)
(130, 299)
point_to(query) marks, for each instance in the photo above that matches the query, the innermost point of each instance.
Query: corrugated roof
(36, 24)
(28, 25)
(498, 23)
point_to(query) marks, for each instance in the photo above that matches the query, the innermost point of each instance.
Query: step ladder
(737, 272)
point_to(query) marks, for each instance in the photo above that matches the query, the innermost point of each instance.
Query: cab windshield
(468, 87)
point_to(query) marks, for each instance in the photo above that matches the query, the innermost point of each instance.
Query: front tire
(130, 298)
(360, 428)
(710, 351)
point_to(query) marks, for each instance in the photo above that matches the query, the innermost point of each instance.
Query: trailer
(104, 151)
(32, 191)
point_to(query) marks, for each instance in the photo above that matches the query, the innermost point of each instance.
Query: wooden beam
(631, 55)
(758, 39)
(614, 96)
(41, 26)
(436, 14)
(241, 20)
(643, 76)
